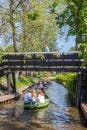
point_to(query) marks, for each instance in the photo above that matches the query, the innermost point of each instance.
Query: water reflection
(59, 115)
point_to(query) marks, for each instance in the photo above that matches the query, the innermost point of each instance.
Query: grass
(24, 81)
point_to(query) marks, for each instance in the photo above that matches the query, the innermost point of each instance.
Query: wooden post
(14, 82)
(34, 58)
(48, 56)
(8, 82)
(79, 89)
(63, 61)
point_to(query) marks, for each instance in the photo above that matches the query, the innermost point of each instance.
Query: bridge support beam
(8, 83)
(14, 82)
(79, 89)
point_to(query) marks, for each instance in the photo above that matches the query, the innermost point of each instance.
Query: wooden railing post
(63, 61)
(14, 82)
(8, 82)
(79, 89)
(34, 58)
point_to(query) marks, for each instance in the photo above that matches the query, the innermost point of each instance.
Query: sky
(65, 46)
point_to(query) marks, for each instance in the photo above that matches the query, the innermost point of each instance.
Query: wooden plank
(13, 57)
(39, 68)
(2, 73)
(8, 97)
(78, 90)
(84, 109)
(70, 56)
(45, 56)
(8, 82)
(72, 63)
(29, 62)
(44, 62)
(16, 63)
(14, 82)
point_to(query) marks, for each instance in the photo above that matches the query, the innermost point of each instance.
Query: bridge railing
(40, 61)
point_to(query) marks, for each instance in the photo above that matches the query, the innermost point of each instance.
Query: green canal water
(61, 114)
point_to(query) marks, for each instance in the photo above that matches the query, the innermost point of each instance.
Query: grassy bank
(21, 82)
(68, 80)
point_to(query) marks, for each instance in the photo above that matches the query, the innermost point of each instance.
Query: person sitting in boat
(41, 97)
(45, 83)
(38, 84)
(41, 86)
(27, 97)
(34, 96)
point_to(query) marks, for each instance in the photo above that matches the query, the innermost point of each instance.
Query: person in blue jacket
(46, 49)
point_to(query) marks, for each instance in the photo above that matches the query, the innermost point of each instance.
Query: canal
(61, 114)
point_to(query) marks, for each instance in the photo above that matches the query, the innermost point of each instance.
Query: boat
(35, 105)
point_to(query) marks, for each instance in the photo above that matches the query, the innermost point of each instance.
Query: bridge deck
(8, 97)
(40, 61)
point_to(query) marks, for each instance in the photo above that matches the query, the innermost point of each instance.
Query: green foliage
(33, 16)
(69, 80)
(33, 26)
(83, 54)
(24, 81)
(1, 50)
(72, 48)
(41, 74)
(61, 78)
(1, 53)
(9, 48)
(73, 15)
(53, 6)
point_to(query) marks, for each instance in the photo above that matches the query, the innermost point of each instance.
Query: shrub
(69, 80)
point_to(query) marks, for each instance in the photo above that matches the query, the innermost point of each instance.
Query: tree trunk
(13, 24)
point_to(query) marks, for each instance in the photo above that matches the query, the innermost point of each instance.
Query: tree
(13, 24)
(38, 26)
(8, 22)
(27, 25)
(72, 15)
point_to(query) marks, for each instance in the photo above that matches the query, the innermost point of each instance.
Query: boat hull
(36, 106)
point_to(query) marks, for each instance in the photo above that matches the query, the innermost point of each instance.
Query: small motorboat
(31, 105)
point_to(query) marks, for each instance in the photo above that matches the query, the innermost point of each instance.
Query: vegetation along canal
(61, 114)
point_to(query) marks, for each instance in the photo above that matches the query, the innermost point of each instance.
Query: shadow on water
(69, 98)
(71, 101)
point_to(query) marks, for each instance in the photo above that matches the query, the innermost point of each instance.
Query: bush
(69, 80)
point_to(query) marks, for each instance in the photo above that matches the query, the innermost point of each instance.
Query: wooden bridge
(40, 61)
